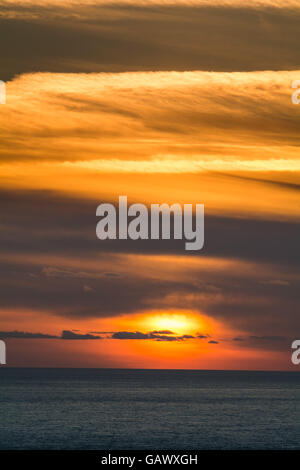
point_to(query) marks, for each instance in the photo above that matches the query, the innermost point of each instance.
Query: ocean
(107, 409)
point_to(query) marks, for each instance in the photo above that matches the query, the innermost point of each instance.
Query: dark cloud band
(120, 38)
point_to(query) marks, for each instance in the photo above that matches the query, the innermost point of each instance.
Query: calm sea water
(148, 409)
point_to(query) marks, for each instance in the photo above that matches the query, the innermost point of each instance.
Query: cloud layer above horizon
(183, 101)
(104, 36)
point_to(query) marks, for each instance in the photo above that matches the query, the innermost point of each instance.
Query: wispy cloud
(186, 166)
(148, 121)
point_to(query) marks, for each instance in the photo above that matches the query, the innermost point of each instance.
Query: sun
(178, 323)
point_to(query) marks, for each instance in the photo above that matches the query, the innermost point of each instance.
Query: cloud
(246, 120)
(24, 335)
(60, 225)
(74, 335)
(152, 335)
(50, 271)
(129, 335)
(226, 282)
(96, 36)
(59, 273)
(187, 166)
(66, 334)
(267, 342)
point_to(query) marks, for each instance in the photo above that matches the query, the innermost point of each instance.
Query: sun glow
(178, 323)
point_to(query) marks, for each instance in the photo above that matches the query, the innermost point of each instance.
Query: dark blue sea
(148, 409)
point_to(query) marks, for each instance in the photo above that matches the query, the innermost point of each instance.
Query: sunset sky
(183, 101)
